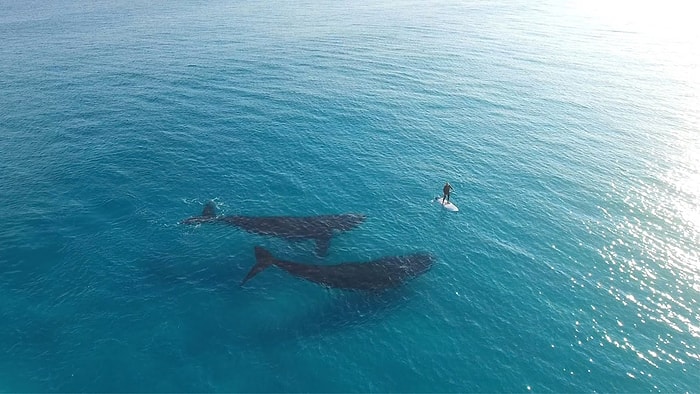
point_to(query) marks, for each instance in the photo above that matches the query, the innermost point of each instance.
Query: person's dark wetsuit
(446, 192)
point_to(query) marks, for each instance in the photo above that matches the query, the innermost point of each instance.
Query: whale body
(380, 274)
(293, 228)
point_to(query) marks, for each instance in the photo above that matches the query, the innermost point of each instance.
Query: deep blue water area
(569, 131)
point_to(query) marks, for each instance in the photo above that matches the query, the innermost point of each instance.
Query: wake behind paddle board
(447, 205)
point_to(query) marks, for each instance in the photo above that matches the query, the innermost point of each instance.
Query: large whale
(374, 275)
(318, 228)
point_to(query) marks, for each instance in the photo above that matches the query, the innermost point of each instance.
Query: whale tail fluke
(208, 214)
(263, 259)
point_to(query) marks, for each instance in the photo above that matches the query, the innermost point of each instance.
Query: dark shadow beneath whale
(375, 275)
(332, 314)
(318, 228)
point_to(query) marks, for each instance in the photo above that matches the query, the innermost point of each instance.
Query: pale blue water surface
(569, 130)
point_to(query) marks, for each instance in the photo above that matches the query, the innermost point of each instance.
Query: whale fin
(208, 214)
(263, 259)
(209, 210)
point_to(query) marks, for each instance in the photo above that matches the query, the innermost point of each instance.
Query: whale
(375, 275)
(293, 228)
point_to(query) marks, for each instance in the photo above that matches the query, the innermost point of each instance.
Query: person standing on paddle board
(446, 192)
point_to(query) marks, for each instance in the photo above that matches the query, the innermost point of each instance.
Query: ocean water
(570, 131)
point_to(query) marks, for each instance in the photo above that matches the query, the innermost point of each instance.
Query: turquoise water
(570, 132)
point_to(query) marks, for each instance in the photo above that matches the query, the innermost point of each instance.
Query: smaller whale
(381, 274)
(318, 228)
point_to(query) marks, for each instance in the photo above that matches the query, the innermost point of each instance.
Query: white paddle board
(447, 205)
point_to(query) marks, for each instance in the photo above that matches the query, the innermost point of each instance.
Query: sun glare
(676, 19)
(664, 34)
